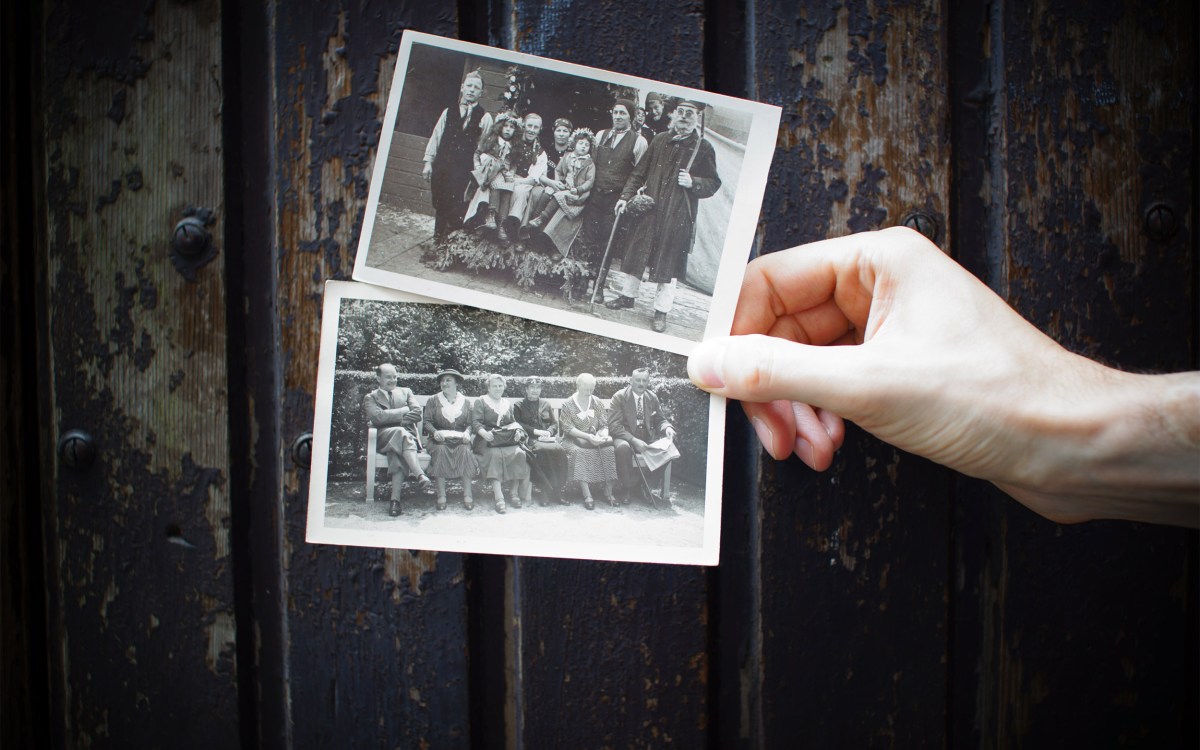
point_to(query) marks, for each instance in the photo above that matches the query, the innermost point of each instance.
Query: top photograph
(584, 198)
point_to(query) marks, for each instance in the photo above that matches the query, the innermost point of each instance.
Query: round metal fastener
(923, 223)
(1161, 222)
(190, 237)
(76, 449)
(302, 450)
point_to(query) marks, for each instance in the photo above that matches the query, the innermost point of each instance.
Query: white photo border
(708, 553)
(739, 238)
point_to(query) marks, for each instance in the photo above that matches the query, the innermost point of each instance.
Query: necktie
(641, 414)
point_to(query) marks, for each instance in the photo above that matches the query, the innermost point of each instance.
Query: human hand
(427, 171)
(639, 445)
(439, 436)
(670, 433)
(619, 208)
(685, 179)
(487, 435)
(884, 329)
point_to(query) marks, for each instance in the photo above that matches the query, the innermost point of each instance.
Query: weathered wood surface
(1090, 109)
(373, 644)
(850, 570)
(886, 602)
(618, 650)
(138, 545)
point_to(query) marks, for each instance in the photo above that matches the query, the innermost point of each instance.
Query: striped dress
(587, 463)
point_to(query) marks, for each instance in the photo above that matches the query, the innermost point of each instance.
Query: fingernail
(804, 451)
(706, 364)
(765, 436)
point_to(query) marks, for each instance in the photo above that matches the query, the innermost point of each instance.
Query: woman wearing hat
(448, 427)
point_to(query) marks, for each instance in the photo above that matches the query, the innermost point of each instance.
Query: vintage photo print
(575, 196)
(449, 427)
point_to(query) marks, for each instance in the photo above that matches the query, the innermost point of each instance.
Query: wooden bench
(377, 460)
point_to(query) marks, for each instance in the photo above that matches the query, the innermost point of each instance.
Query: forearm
(1136, 456)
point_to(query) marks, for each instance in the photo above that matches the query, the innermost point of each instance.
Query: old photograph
(449, 427)
(585, 198)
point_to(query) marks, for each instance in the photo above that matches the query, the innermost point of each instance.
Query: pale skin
(885, 330)
(468, 94)
(684, 122)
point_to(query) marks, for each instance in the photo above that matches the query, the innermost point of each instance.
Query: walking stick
(604, 260)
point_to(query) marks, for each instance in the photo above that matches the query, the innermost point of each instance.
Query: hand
(541, 433)
(487, 435)
(685, 179)
(427, 171)
(439, 436)
(884, 329)
(639, 446)
(619, 208)
(670, 433)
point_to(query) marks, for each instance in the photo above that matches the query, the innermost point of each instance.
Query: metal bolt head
(923, 223)
(190, 238)
(302, 450)
(76, 449)
(1161, 222)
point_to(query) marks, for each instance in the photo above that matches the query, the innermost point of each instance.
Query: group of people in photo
(515, 444)
(626, 193)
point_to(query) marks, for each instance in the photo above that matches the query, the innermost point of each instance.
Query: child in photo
(492, 173)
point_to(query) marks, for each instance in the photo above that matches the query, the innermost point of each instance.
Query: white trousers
(664, 295)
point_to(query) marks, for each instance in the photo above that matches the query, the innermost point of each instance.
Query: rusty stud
(76, 449)
(302, 450)
(923, 223)
(190, 238)
(1161, 223)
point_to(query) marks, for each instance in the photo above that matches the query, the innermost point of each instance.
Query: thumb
(760, 369)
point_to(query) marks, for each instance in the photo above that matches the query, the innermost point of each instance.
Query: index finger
(824, 287)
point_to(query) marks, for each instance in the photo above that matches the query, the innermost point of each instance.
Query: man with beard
(618, 151)
(679, 169)
(450, 154)
(528, 163)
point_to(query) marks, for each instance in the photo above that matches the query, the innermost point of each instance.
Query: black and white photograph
(449, 427)
(589, 199)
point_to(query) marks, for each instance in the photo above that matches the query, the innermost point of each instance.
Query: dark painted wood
(24, 682)
(373, 641)
(1089, 113)
(610, 654)
(852, 564)
(138, 551)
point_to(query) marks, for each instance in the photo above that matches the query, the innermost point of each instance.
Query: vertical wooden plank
(1092, 109)
(609, 654)
(373, 642)
(854, 561)
(138, 558)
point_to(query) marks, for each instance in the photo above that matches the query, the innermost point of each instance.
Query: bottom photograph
(447, 427)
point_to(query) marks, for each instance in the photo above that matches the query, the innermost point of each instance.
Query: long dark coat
(662, 239)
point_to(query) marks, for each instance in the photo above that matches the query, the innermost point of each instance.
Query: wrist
(1130, 450)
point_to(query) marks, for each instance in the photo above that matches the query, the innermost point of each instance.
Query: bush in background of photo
(684, 404)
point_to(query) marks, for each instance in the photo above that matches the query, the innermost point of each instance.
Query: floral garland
(517, 95)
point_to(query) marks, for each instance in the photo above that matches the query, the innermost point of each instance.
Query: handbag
(502, 438)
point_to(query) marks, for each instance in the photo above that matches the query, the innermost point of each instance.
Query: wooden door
(1050, 148)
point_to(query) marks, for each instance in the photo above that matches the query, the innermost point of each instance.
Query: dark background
(163, 595)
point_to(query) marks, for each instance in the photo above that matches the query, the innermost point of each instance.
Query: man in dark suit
(450, 154)
(394, 411)
(635, 420)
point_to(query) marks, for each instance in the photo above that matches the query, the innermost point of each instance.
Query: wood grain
(139, 556)
(851, 567)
